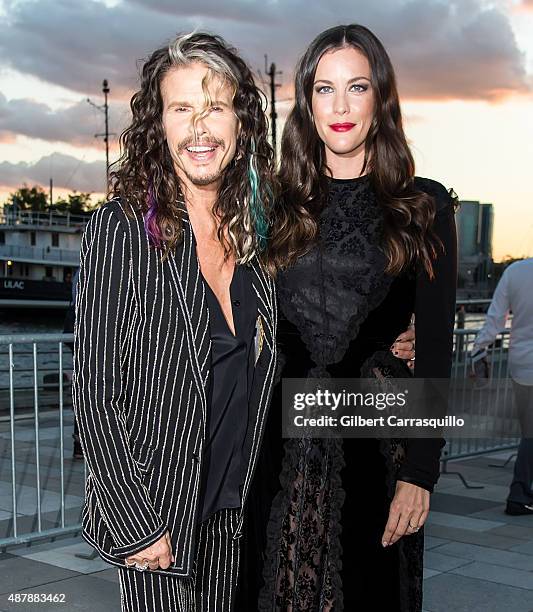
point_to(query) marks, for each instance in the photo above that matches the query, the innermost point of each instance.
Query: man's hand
(404, 346)
(479, 365)
(408, 512)
(159, 554)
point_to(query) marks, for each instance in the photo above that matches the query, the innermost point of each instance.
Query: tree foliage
(29, 198)
(36, 199)
(75, 203)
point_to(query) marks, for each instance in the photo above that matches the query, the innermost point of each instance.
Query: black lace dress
(318, 507)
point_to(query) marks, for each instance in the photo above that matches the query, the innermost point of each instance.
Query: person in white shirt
(514, 293)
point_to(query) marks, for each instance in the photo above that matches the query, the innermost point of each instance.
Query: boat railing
(48, 254)
(43, 219)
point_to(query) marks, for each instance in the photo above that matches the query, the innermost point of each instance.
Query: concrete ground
(477, 559)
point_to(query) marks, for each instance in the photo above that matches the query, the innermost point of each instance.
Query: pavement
(477, 558)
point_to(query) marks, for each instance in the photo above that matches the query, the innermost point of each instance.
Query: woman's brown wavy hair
(408, 212)
(145, 178)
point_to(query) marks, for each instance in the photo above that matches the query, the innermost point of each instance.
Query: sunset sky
(465, 71)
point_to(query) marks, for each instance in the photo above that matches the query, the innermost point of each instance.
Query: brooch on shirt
(259, 337)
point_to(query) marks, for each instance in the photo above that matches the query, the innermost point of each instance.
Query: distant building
(475, 223)
(39, 253)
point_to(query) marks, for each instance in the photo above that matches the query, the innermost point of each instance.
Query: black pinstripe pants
(212, 586)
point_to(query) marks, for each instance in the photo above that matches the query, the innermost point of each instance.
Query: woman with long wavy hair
(362, 244)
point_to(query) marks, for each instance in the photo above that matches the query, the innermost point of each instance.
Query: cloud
(78, 44)
(67, 172)
(76, 125)
(240, 11)
(455, 49)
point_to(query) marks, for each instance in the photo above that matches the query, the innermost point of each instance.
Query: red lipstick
(342, 127)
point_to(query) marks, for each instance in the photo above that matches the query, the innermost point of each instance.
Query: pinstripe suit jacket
(141, 367)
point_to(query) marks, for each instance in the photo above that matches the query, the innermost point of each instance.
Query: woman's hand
(408, 512)
(404, 346)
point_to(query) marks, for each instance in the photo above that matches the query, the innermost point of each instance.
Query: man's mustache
(201, 142)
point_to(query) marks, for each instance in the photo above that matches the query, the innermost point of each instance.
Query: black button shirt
(232, 369)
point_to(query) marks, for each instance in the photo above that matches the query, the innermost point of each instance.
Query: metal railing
(474, 302)
(498, 403)
(35, 375)
(47, 254)
(42, 219)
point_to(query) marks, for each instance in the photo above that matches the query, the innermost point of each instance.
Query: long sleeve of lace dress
(434, 320)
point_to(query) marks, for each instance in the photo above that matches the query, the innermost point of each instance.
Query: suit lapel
(186, 276)
(263, 375)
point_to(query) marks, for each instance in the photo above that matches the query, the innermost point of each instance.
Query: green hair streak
(257, 207)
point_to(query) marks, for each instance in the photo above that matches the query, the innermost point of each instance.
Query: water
(31, 322)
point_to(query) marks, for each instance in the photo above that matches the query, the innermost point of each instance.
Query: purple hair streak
(153, 231)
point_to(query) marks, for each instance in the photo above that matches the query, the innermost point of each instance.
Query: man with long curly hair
(174, 336)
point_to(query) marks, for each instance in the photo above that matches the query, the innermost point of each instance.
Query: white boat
(39, 254)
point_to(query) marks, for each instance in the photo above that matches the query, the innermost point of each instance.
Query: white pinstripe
(210, 589)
